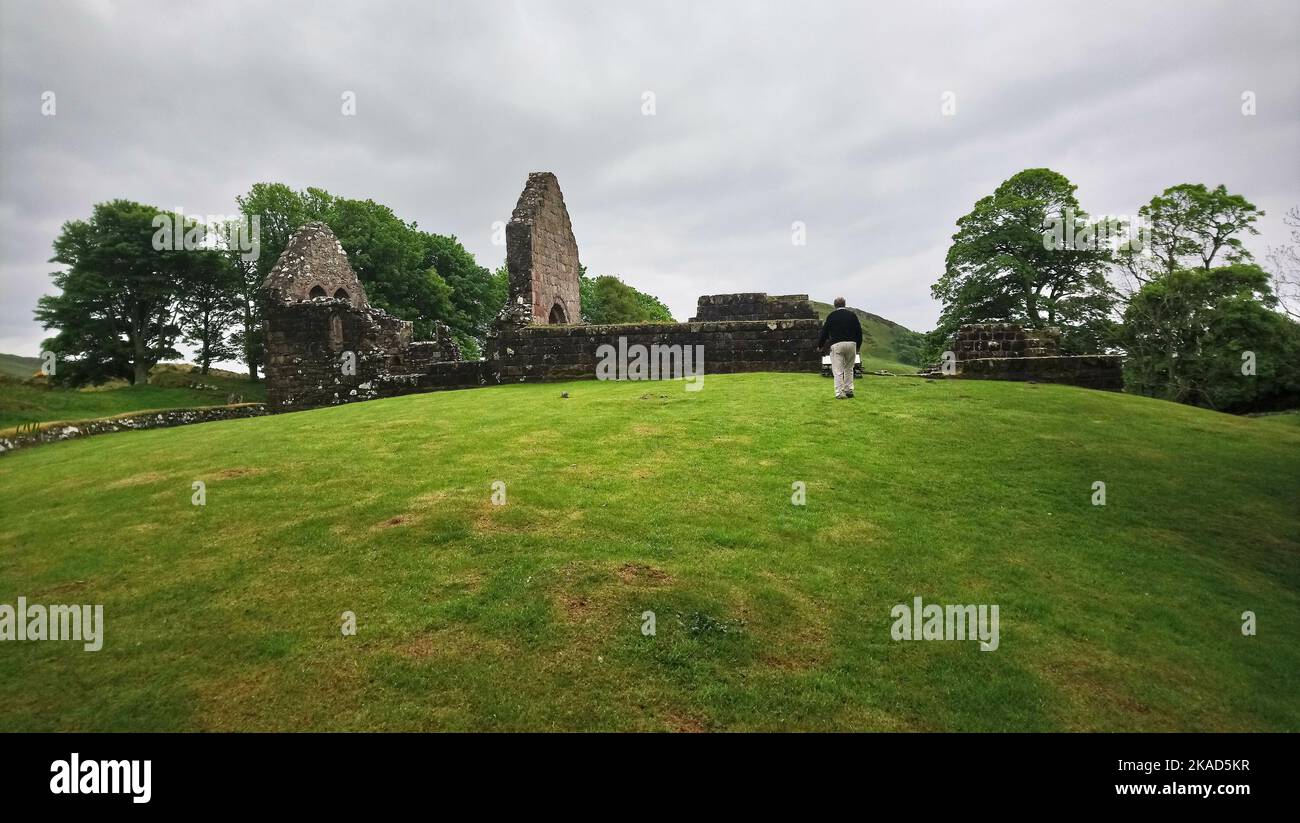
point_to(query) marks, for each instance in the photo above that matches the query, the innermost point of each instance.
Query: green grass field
(169, 389)
(634, 497)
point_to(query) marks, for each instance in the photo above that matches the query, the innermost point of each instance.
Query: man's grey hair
(839, 302)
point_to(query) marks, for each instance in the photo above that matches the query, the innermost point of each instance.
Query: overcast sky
(765, 114)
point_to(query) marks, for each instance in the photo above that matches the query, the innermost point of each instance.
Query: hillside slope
(887, 337)
(630, 498)
(14, 365)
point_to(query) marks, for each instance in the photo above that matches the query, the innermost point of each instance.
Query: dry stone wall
(59, 432)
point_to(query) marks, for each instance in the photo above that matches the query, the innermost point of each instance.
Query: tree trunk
(205, 358)
(249, 345)
(139, 368)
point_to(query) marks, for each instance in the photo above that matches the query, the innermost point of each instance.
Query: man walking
(844, 332)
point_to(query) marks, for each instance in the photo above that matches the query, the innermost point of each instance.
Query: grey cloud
(767, 113)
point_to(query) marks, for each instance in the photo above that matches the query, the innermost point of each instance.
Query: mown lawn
(634, 497)
(22, 402)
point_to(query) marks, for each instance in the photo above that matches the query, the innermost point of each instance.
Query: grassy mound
(627, 498)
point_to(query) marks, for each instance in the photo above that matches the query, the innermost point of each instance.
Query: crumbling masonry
(326, 345)
(1006, 351)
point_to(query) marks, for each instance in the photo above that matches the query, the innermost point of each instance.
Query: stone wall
(59, 432)
(542, 255)
(539, 353)
(753, 306)
(1007, 351)
(981, 340)
(1089, 371)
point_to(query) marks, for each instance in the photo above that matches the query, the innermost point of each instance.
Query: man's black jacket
(841, 326)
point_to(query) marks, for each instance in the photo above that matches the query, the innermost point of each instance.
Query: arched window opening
(557, 315)
(341, 294)
(316, 291)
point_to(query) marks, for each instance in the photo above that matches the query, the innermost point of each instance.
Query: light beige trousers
(842, 356)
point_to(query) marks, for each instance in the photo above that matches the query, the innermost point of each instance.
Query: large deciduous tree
(1003, 265)
(1190, 225)
(116, 311)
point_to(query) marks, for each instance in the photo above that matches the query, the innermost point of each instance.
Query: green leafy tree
(1189, 226)
(116, 310)
(279, 211)
(415, 275)
(607, 299)
(473, 295)
(1192, 335)
(210, 305)
(1003, 266)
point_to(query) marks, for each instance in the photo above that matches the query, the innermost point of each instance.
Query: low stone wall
(981, 340)
(1090, 371)
(753, 306)
(541, 353)
(462, 374)
(135, 422)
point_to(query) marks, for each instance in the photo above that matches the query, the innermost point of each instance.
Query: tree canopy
(1001, 267)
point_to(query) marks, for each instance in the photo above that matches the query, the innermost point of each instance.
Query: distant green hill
(17, 366)
(892, 346)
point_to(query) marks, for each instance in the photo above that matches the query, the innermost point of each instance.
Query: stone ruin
(542, 256)
(1007, 351)
(326, 345)
(993, 340)
(753, 306)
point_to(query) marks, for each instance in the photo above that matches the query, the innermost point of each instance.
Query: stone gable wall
(541, 252)
(313, 258)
